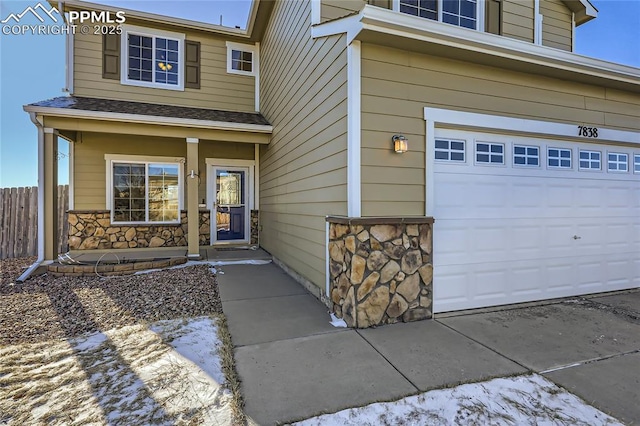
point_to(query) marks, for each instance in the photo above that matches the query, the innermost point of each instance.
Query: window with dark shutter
(111, 56)
(192, 64)
(494, 17)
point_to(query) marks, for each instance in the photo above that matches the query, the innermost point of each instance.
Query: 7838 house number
(588, 132)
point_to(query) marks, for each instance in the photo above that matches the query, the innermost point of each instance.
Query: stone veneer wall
(90, 230)
(255, 227)
(381, 269)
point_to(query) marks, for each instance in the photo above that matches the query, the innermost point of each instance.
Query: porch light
(400, 144)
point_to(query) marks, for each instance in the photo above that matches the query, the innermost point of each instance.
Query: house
(399, 157)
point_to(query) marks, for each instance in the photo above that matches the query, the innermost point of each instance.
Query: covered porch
(141, 174)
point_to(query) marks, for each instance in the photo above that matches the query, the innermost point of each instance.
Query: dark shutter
(192, 64)
(111, 56)
(494, 17)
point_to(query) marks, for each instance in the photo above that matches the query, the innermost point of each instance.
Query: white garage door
(521, 219)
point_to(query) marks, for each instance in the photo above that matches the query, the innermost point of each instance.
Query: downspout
(26, 274)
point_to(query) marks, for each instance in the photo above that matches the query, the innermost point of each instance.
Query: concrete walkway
(294, 364)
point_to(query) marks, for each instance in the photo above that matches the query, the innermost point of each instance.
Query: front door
(231, 205)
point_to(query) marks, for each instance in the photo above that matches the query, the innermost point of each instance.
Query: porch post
(49, 209)
(193, 215)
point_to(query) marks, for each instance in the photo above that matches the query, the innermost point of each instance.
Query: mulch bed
(45, 307)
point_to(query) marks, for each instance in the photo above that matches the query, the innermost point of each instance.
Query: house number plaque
(588, 132)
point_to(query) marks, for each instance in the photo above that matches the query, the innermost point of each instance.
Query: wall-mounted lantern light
(400, 144)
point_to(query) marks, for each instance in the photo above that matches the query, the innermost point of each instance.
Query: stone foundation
(89, 230)
(255, 227)
(381, 269)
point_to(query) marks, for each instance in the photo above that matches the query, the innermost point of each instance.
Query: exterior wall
(218, 89)
(303, 173)
(556, 24)
(381, 269)
(334, 9)
(517, 19)
(397, 85)
(90, 167)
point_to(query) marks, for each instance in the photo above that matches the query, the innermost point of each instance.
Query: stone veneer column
(380, 269)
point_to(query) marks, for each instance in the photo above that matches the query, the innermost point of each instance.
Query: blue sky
(32, 66)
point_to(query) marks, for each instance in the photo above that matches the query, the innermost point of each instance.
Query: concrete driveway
(294, 364)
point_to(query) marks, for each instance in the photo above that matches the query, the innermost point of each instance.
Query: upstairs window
(152, 58)
(241, 59)
(462, 13)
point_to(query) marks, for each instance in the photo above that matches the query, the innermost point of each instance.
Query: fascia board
(148, 119)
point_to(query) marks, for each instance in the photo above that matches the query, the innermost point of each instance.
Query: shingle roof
(155, 110)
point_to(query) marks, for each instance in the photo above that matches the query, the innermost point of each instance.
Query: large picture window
(145, 191)
(152, 58)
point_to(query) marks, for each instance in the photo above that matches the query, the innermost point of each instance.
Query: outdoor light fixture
(400, 144)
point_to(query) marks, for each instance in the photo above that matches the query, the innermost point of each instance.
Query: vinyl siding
(89, 165)
(303, 170)
(517, 19)
(397, 85)
(218, 89)
(334, 9)
(556, 25)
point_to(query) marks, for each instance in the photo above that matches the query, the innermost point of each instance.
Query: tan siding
(90, 165)
(334, 9)
(517, 19)
(397, 85)
(303, 169)
(218, 89)
(556, 24)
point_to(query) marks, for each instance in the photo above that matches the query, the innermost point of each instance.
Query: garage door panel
(508, 234)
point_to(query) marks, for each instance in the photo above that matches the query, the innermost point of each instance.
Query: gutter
(149, 119)
(26, 274)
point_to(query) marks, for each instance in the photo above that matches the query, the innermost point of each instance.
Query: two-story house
(347, 127)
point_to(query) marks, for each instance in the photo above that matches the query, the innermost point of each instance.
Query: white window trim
(243, 48)
(489, 153)
(526, 156)
(589, 169)
(636, 161)
(480, 12)
(150, 32)
(450, 151)
(618, 162)
(115, 158)
(559, 166)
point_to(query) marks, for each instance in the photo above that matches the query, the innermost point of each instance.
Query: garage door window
(590, 160)
(559, 158)
(526, 155)
(489, 153)
(450, 150)
(617, 162)
(636, 163)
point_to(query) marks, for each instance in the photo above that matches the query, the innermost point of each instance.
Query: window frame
(589, 160)
(560, 158)
(490, 153)
(449, 150)
(526, 155)
(636, 163)
(231, 46)
(110, 159)
(617, 162)
(480, 14)
(154, 34)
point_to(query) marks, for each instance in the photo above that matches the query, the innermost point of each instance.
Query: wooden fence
(19, 221)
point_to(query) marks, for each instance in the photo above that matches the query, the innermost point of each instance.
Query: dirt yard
(139, 349)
